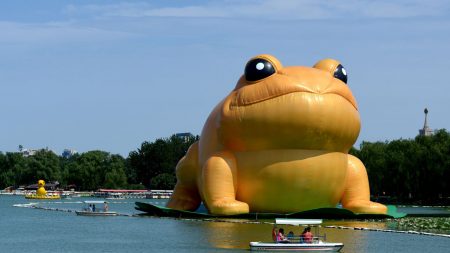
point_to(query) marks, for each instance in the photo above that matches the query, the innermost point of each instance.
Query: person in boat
(93, 208)
(290, 235)
(307, 236)
(281, 238)
(105, 207)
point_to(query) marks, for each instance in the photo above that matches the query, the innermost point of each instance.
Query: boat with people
(306, 241)
(90, 208)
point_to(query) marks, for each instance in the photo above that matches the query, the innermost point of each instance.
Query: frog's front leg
(356, 196)
(219, 185)
(185, 195)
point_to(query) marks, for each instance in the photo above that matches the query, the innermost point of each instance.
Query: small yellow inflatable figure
(278, 143)
(41, 190)
(41, 193)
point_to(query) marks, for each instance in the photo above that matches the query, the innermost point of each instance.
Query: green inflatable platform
(320, 213)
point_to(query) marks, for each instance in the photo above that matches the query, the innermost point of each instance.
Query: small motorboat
(90, 209)
(316, 243)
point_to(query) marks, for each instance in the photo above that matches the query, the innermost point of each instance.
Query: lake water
(43, 231)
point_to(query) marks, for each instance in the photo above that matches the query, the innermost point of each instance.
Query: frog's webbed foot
(183, 204)
(365, 206)
(356, 195)
(228, 207)
(184, 199)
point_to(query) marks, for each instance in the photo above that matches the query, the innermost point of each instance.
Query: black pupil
(258, 69)
(340, 73)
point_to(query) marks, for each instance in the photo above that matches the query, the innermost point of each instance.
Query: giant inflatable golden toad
(278, 143)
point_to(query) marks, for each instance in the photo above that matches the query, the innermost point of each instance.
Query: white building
(426, 131)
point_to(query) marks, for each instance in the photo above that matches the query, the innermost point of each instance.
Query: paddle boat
(90, 209)
(314, 243)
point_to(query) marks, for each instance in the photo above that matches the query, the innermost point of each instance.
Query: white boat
(115, 196)
(90, 209)
(298, 243)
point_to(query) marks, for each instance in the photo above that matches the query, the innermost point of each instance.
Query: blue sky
(109, 75)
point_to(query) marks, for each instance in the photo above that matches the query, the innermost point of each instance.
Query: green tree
(373, 157)
(434, 165)
(17, 164)
(90, 169)
(6, 174)
(115, 177)
(70, 171)
(410, 170)
(158, 157)
(44, 164)
(164, 181)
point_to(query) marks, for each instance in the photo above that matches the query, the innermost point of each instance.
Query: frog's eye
(258, 68)
(340, 73)
(333, 67)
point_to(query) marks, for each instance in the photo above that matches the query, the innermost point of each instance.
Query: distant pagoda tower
(425, 131)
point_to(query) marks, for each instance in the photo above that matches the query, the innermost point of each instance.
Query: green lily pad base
(319, 213)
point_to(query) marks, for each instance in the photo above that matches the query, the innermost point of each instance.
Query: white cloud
(272, 9)
(400, 9)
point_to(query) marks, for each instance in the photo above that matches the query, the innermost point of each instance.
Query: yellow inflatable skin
(41, 193)
(278, 143)
(41, 190)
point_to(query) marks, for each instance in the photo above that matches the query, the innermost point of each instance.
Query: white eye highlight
(344, 72)
(260, 66)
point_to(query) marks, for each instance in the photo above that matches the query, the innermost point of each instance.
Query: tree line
(149, 167)
(405, 170)
(409, 170)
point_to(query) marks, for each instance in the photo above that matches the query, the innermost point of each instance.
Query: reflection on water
(358, 224)
(68, 232)
(227, 235)
(233, 235)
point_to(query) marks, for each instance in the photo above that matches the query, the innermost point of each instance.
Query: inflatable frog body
(278, 143)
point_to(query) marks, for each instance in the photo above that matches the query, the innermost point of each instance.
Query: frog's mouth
(252, 95)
